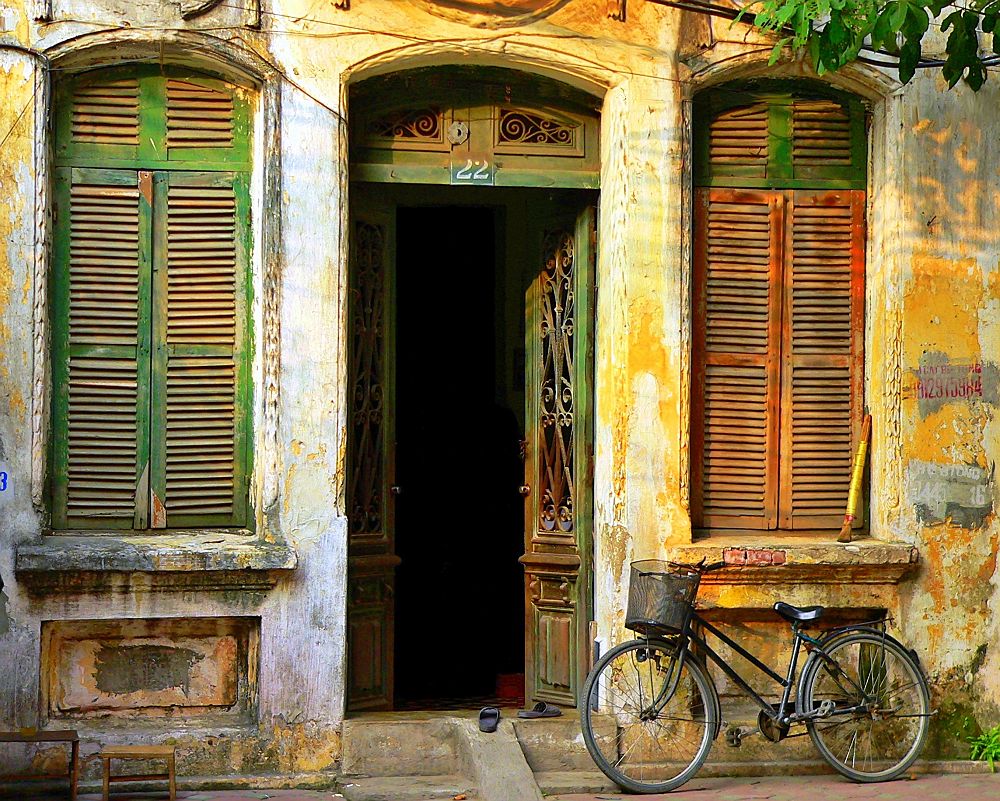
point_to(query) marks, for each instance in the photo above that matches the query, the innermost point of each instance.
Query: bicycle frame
(779, 715)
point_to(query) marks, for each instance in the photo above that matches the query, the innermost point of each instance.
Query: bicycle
(861, 695)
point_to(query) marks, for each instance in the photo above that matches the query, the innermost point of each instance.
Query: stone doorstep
(406, 751)
(405, 788)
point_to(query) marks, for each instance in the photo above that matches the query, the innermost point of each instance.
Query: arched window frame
(159, 163)
(770, 167)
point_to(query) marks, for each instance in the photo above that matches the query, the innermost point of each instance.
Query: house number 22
(474, 171)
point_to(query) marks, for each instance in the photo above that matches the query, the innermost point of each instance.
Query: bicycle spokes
(655, 705)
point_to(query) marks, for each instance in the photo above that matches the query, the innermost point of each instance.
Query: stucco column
(639, 385)
(20, 208)
(303, 632)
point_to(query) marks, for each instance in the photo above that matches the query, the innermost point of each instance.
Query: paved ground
(810, 788)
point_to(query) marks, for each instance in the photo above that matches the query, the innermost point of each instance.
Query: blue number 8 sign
(6, 485)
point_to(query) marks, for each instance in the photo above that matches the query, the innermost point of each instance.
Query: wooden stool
(165, 752)
(34, 736)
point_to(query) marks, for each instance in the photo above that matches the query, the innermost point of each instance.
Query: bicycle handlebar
(699, 567)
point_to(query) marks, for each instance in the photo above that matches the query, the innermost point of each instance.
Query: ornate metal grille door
(371, 544)
(557, 559)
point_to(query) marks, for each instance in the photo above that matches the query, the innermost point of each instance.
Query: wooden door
(371, 558)
(558, 459)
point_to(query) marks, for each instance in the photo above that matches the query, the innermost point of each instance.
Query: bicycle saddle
(802, 614)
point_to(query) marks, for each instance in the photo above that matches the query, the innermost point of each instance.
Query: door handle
(395, 489)
(525, 490)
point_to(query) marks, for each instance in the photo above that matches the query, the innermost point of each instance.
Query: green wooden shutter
(100, 347)
(151, 398)
(199, 362)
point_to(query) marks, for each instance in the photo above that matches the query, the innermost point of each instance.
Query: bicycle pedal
(826, 709)
(734, 737)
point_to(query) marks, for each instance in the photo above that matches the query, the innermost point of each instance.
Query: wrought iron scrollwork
(556, 392)
(422, 124)
(367, 413)
(522, 127)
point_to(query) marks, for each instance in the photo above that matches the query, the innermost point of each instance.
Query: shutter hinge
(146, 186)
(159, 516)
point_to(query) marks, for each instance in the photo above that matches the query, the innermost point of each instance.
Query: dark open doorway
(459, 517)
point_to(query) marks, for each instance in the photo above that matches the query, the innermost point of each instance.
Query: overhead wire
(705, 7)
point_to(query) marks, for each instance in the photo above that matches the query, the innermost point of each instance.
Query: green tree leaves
(835, 32)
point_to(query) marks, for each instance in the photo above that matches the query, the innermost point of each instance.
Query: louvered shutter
(200, 449)
(821, 134)
(100, 347)
(99, 118)
(737, 336)
(822, 355)
(738, 140)
(204, 120)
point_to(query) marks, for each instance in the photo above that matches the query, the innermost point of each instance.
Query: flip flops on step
(489, 716)
(489, 719)
(540, 710)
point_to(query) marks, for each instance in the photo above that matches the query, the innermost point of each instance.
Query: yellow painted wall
(932, 289)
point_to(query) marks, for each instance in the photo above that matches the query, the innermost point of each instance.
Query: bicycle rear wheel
(643, 736)
(885, 703)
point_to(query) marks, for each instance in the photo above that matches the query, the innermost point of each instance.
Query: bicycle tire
(693, 694)
(891, 740)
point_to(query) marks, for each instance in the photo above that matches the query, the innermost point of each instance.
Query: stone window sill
(87, 559)
(762, 559)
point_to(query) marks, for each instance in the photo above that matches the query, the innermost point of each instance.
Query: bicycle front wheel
(881, 707)
(648, 720)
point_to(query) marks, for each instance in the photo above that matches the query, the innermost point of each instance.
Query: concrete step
(564, 782)
(405, 788)
(408, 758)
(556, 744)
(399, 747)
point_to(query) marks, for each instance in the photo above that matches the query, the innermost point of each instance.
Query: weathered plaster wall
(932, 300)
(18, 697)
(949, 257)
(638, 509)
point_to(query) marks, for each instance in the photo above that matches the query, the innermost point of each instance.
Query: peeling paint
(961, 494)
(135, 668)
(4, 614)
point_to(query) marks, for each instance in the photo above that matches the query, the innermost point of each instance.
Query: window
(150, 296)
(778, 308)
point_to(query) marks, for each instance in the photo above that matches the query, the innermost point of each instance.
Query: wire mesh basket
(660, 597)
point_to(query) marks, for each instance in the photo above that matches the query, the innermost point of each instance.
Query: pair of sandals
(489, 716)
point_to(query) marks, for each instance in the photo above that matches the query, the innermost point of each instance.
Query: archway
(472, 219)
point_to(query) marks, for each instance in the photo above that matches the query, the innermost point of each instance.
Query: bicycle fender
(713, 691)
(717, 703)
(869, 630)
(830, 639)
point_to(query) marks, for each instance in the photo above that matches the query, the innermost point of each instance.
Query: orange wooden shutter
(737, 328)
(822, 354)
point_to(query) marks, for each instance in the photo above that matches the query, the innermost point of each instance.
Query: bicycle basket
(659, 597)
